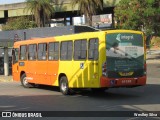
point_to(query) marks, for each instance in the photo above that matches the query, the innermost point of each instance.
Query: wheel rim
(25, 81)
(64, 86)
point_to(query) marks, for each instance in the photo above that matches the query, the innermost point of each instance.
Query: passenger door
(41, 65)
(15, 66)
(53, 62)
(93, 53)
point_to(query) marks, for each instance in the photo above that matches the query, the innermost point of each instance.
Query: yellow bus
(96, 60)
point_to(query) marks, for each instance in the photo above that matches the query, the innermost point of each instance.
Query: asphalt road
(13, 97)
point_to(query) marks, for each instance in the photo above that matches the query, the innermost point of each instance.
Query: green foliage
(138, 15)
(59, 6)
(41, 9)
(18, 23)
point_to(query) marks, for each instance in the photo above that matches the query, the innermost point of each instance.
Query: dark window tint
(53, 51)
(42, 51)
(66, 50)
(15, 55)
(80, 49)
(93, 49)
(23, 52)
(32, 51)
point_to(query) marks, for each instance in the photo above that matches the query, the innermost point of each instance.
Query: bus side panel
(22, 68)
(52, 72)
(32, 71)
(41, 73)
(93, 74)
(15, 72)
(67, 68)
(81, 75)
(84, 74)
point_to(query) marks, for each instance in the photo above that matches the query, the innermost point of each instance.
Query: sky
(10, 1)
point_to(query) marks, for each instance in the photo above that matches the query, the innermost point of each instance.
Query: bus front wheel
(64, 86)
(24, 82)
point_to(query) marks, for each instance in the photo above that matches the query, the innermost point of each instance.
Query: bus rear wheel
(64, 88)
(24, 82)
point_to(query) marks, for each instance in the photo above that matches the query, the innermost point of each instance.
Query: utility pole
(6, 62)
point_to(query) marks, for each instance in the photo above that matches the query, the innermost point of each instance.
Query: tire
(64, 88)
(24, 82)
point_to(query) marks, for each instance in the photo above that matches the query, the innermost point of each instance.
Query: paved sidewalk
(5, 78)
(153, 56)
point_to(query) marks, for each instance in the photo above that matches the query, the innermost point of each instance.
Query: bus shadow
(46, 87)
(149, 90)
(149, 93)
(107, 95)
(49, 98)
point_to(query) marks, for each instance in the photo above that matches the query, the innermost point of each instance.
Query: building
(64, 13)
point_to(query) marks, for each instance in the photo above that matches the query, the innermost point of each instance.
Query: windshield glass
(125, 52)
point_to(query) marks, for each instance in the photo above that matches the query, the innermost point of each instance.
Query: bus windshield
(125, 54)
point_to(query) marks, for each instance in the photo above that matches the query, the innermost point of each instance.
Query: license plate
(126, 81)
(126, 73)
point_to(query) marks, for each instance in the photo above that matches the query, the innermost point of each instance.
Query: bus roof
(83, 35)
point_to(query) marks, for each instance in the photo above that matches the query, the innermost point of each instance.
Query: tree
(41, 9)
(18, 23)
(156, 18)
(59, 6)
(88, 7)
(138, 15)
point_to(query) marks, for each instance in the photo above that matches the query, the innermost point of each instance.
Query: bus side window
(80, 49)
(93, 49)
(15, 55)
(66, 50)
(23, 52)
(42, 51)
(32, 51)
(53, 51)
